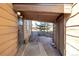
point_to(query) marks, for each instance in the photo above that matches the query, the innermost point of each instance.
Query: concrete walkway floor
(37, 49)
(34, 49)
(47, 45)
(40, 48)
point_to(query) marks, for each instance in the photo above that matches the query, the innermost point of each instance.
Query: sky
(33, 23)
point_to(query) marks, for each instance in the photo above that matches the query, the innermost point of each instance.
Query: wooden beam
(48, 17)
(61, 15)
(53, 8)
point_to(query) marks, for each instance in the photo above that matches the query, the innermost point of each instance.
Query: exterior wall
(8, 30)
(29, 26)
(27, 32)
(55, 34)
(60, 33)
(72, 32)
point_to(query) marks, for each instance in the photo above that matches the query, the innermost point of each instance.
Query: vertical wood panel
(26, 34)
(60, 32)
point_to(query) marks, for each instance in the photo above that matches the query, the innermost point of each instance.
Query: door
(20, 32)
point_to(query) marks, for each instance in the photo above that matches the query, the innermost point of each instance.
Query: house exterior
(55, 13)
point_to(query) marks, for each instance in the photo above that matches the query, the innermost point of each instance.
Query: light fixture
(18, 13)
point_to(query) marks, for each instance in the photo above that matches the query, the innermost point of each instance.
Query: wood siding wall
(72, 32)
(8, 30)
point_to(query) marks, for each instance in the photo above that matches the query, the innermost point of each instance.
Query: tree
(43, 26)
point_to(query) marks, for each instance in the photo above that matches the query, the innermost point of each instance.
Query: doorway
(20, 32)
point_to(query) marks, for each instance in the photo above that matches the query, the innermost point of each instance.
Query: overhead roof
(42, 12)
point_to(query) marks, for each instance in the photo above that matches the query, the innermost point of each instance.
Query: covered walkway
(16, 28)
(40, 48)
